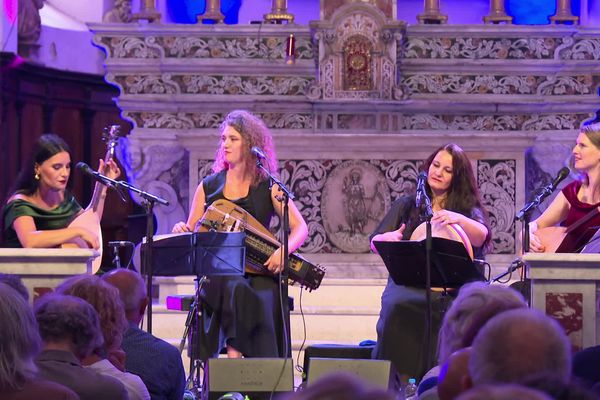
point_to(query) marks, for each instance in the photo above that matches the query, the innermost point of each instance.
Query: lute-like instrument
(90, 218)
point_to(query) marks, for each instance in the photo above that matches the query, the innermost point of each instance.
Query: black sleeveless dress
(243, 312)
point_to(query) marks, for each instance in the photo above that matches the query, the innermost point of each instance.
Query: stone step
(334, 292)
(322, 324)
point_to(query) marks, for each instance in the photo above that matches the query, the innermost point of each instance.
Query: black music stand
(203, 254)
(199, 254)
(405, 261)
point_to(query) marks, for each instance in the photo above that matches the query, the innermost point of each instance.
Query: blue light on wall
(185, 11)
(535, 12)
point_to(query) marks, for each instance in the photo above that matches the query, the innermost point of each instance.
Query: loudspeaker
(254, 377)
(334, 351)
(379, 373)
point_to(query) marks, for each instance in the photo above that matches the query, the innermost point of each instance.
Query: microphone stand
(148, 201)
(427, 214)
(283, 276)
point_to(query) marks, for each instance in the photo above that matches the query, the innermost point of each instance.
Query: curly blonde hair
(254, 132)
(107, 302)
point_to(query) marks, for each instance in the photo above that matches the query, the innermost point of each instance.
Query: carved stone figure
(121, 12)
(30, 23)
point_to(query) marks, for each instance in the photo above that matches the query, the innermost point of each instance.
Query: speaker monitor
(255, 377)
(379, 373)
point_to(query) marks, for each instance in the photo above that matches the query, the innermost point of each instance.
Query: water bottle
(410, 391)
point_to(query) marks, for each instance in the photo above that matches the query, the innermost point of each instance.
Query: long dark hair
(47, 146)
(463, 193)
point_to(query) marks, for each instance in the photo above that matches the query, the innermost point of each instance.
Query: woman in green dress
(38, 211)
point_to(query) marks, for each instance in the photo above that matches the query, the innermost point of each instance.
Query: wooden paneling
(36, 100)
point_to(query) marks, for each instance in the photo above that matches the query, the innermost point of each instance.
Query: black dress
(243, 312)
(401, 324)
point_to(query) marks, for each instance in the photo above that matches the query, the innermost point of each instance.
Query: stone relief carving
(357, 50)
(355, 197)
(269, 48)
(497, 183)
(523, 122)
(213, 84)
(546, 85)
(183, 120)
(132, 47)
(158, 168)
(342, 201)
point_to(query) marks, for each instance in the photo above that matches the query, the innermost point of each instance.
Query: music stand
(203, 254)
(199, 254)
(405, 261)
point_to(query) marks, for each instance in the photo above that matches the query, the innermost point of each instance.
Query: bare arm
(196, 212)
(475, 230)
(30, 236)
(555, 213)
(298, 231)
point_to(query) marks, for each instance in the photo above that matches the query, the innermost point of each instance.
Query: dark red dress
(578, 237)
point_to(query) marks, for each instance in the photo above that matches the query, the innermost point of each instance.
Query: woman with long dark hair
(243, 314)
(455, 201)
(41, 205)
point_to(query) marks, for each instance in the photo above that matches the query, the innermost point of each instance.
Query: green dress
(56, 218)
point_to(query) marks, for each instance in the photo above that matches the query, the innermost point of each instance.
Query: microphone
(258, 153)
(95, 175)
(421, 179)
(545, 192)
(562, 174)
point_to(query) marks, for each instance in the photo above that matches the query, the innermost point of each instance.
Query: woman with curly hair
(243, 313)
(455, 200)
(108, 359)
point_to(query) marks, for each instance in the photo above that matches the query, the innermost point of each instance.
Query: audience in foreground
(155, 361)
(19, 345)
(107, 356)
(70, 331)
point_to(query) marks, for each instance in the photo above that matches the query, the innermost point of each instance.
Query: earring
(37, 176)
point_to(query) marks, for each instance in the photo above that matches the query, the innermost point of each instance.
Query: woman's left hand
(445, 217)
(110, 169)
(275, 262)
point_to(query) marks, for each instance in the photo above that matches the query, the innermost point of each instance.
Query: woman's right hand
(391, 236)
(535, 244)
(89, 237)
(181, 227)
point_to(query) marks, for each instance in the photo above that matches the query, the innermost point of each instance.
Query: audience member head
(476, 301)
(517, 344)
(106, 301)
(341, 386)
(132, 290)
(19, 339)
(15, 282)
(70, 322)
(454, 375)
(46, 147)
(557, 388)
(503, 392)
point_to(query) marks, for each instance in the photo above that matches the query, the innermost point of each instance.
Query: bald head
(454, 374)
(516, 344)
(132, 290)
